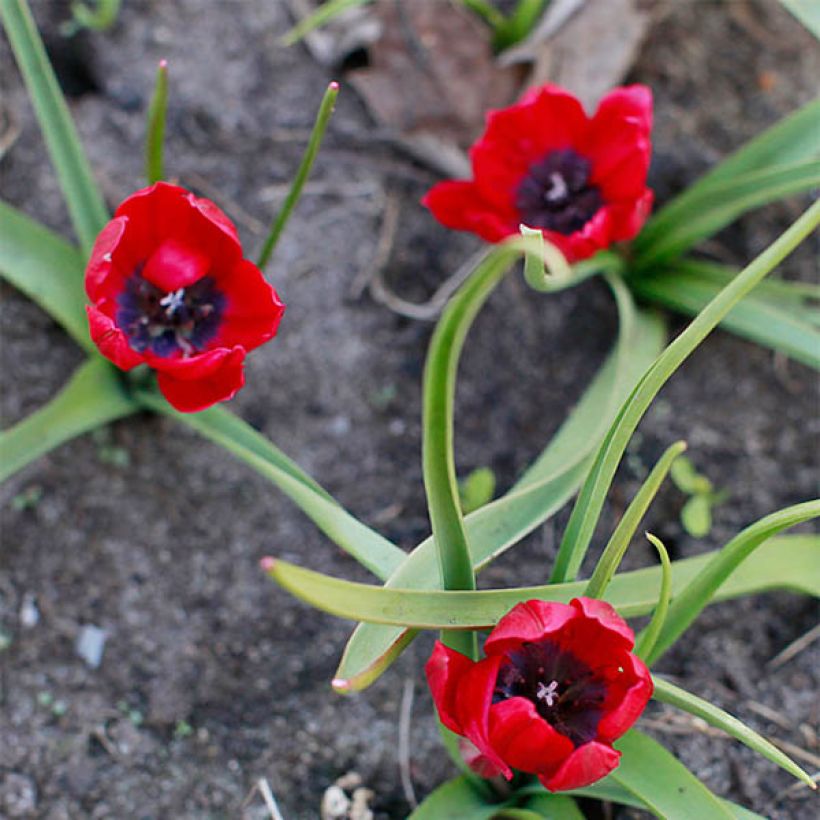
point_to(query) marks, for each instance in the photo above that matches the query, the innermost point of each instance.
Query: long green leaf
(155, 126)
(85, 204)
(542, 490)
(793, 140)
(324, 14)
(456, 799)
(667, 692)
(696, 595)
(588, 506)
(615, 550)
(718, 205)
(779, 564)
(370, 549)
(94, 396)
(773, 317)
(47, 269)
(649, 636)
(807, 12)
(663, 783)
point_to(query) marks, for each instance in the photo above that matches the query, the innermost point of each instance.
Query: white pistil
(549, 694)
(558, 188)
(173, 301)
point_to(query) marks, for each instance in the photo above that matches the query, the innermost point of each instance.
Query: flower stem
(155, 130)
(319, 128)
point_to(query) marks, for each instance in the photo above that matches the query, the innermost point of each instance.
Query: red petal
(473, 707)
(101, 279)
(628, 102)
(586, 765)
(524, 739)
(529, 621)
(110, 340)
(173, 264)
(193, 384)
(253, 308)
(617, 720)
(460, 205)
(444, 671)
(606, 615)
(480, 764)
(627, 218)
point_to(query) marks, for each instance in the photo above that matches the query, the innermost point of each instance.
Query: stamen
(173, 301)
(548, 694)
(558, 189)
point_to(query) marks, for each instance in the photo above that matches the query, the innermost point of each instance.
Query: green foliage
(100, 18)
(155, 129)
(476, 489)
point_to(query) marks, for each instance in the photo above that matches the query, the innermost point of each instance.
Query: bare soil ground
(212, 677)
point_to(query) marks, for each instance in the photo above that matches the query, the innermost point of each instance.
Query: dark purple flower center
(556, 195)
(565, 691)
(166, 322)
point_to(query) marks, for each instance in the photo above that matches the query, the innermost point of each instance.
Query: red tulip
(557, 686)
(169, 288)
(545, 164)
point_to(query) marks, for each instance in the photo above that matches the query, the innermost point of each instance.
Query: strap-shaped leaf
(778, 317)
(94, 396)
(793, 140)
(780, 563)
(691, 600)
(667, 692)
(370, 549)
(662, 783)
(46, 268)
(676, 230)
(85, 204)
(587, 509)
(456, 799)
(542, 490)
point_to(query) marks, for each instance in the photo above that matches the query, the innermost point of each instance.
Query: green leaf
(650, 635)
(324, 14)
(47, 269)
(476, 489)
(302, 173)
(370, 549)
(543, 489)
(632, 593)
(696, 516)
(663, 783)
(616, 548)
(667, 692)
(666, 237)
(684, 475)
(696, 595)
(94, 396)
(778, 317)
(519, 24)
(85, 204)
(587, 510)
(99, 19)
(456, 799)
(155, 127)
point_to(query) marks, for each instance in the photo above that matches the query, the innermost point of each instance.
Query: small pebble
(91, 644)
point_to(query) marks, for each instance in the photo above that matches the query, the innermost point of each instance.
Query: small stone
(29, 613)
(335, 804)
(90, 645)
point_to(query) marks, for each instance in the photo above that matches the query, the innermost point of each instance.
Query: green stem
(319, 128)
(155, 131)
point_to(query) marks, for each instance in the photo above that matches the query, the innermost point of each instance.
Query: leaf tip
(268, 565)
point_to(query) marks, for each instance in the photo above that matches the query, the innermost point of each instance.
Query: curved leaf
(93, 397)
(667, 692)
(47, 269)
(587, 509)
(456, 799)
(781, 563)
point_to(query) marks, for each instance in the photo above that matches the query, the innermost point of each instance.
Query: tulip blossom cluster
(557, 686)
(169, 288)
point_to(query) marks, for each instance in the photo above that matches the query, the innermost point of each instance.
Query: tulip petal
(604, 613)
(528, 621)
(586, 765)
(253, 308)
(174, 265)
(102, 280)
(110, 340)
(526, 741)
(619, 717)
(191, 385)
(445, 670)
(459, 205)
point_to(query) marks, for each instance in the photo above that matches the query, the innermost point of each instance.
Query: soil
(212, 677)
